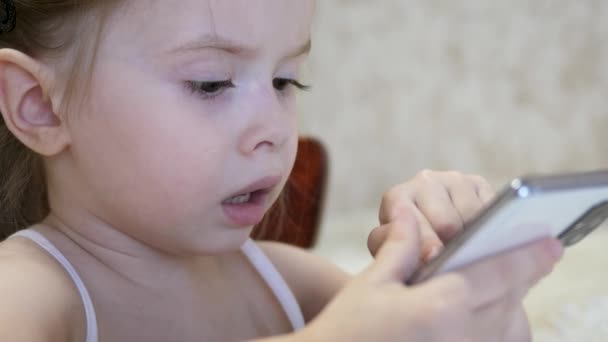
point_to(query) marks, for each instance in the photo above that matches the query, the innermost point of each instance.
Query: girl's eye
(210, 89)
(281, 84)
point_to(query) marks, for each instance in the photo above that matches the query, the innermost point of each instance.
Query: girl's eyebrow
(212, 41)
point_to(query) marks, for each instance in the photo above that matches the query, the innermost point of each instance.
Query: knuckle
(456, 175)
(444, 224)
(469, 183)
(476, 178)
(480, 182)
(447, 230)
(387, 204)
(372, 240)
(395, 202)
(425, 174)
(395, 211)
(394, 196)
(387, 198)
(390, 194)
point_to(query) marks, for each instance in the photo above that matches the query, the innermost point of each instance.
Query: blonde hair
(44, 30)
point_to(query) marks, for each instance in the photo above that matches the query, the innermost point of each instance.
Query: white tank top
(252, 251)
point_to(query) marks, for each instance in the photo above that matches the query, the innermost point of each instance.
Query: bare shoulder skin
(37, 292)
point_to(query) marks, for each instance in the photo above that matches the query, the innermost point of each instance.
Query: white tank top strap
(89, 310)
(275, 281)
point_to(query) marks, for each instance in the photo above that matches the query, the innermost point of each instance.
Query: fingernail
(434, 252)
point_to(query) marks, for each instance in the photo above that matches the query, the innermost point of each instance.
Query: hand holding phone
(567, 207)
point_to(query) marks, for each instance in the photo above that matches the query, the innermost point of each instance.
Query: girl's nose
(270, 124)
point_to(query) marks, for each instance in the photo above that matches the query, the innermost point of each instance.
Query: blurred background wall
(497, 88)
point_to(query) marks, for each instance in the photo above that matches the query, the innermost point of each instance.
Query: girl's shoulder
(313, 279)
(36, 292)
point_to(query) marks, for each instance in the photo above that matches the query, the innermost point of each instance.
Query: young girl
(142, 140)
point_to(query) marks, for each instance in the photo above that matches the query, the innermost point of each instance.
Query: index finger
(430, 242)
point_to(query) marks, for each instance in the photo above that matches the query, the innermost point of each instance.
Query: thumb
(399, 256)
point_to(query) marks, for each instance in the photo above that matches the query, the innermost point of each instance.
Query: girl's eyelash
(209, 89)
(281, 83)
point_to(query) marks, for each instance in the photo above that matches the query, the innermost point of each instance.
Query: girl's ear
(27, 111)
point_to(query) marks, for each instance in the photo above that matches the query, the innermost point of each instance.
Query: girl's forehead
(165, 24)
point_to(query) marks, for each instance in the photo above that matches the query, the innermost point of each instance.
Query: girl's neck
(132, 260)
(143, 294)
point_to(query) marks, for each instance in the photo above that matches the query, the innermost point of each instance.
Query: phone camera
(581, 226)
(585, 225)
(596, 221)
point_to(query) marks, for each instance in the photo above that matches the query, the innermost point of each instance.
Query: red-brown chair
(296, 216)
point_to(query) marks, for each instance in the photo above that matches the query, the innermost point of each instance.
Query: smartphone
(566, 206)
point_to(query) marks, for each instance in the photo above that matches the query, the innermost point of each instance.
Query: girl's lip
(251, 212)
(263, 184)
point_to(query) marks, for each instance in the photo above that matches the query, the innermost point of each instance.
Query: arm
(313, 279)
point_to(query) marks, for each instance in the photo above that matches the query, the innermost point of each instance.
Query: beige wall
(492, 87)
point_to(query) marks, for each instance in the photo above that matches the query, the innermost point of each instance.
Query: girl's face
(189, 132)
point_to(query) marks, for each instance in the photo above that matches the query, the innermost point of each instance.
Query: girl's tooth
(240, 199)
